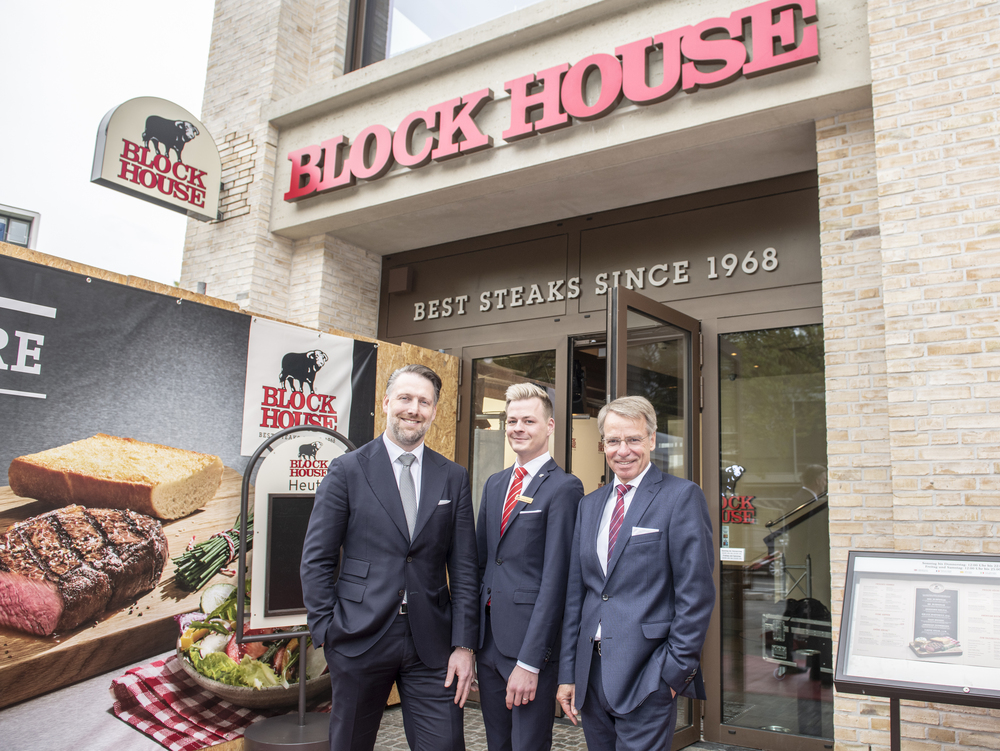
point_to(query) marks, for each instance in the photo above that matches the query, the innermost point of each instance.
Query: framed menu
(921, 626)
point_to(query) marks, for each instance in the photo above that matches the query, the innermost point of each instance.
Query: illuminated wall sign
(157, 151)
(750, 42)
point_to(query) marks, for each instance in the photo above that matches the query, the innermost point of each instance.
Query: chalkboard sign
(287, 480)
(287, 520)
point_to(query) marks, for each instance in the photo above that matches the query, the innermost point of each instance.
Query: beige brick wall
(262, 51)
(334, 285)
(857, 409)
(913, 432)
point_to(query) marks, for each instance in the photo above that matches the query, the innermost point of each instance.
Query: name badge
(524, 499)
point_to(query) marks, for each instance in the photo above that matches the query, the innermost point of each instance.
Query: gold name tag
(524, 499)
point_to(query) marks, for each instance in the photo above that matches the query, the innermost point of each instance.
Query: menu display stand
(921, 627)
(295, 462)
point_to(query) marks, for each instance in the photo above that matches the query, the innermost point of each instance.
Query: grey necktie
(408, 491)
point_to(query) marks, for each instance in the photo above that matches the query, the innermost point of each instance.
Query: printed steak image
(67, 566)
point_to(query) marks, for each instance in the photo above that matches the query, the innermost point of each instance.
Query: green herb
(195, 567)
(271, 652)
(215, 626)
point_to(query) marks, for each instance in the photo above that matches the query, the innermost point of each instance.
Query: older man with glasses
(640, 593)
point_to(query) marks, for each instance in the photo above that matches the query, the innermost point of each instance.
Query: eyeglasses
(632, 442)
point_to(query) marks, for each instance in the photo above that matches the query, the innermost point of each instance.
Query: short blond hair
(631, 407)
(520, 391)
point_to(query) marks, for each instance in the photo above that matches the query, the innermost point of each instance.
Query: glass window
(17, 232)
(657, 368)
(777, 652)
(490, 378)
(3, 229)
(589, 394)
(390, 27)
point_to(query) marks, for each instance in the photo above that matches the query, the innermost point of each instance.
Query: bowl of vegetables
(257, 674)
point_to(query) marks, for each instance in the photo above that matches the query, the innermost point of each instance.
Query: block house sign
(750, 42)
(159, 152)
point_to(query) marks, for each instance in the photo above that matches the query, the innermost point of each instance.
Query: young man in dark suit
(640, 593)
(524, 534)
(391, 526)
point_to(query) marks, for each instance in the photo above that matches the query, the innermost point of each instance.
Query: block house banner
(297, 377)
(82, 355)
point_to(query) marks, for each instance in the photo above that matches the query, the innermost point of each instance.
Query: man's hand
(566, 695)
(521, 687)
(461, 666)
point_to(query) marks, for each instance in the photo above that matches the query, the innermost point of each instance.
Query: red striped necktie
(616, 518)
(515, 491)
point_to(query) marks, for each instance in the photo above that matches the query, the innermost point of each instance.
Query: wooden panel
(441, 436)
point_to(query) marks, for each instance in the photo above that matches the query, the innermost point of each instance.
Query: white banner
(295, 377)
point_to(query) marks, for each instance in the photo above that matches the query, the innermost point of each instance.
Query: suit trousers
(361, 686)
(648, 727)
(524, 728)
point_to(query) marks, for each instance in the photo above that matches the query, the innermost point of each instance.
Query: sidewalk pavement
(565, 735)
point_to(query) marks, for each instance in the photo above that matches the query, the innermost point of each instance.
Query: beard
(404, 435)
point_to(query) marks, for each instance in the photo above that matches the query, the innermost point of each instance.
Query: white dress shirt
(604, 530)
(397, 469)
(531, 469)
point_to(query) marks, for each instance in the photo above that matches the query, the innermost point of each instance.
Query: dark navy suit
(653, 607)
(353, 606)
(524, 579)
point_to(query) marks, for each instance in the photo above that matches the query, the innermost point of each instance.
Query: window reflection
(774, 521)
(392, 27)
(490, 378)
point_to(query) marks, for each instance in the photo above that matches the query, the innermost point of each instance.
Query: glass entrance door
(654, 351)
(775, 589)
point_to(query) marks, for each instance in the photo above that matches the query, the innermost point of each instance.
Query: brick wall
(334, 285)
(262, 51)
(911, 257)
(861, 509)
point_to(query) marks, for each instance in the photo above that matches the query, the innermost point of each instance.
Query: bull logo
(173, 134)
(299, 369)
(729, 476)
(308, 450)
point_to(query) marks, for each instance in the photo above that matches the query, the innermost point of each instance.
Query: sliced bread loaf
(110, 472)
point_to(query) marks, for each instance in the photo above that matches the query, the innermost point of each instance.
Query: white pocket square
(533, 511)
(444, 503)
(636, 531)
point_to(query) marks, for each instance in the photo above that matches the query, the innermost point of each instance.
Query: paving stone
(565, 735)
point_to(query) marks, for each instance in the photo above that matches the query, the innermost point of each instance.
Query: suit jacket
(524, 571)
(656, 601)
(351, 604)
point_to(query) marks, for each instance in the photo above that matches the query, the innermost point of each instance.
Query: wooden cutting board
(34, 665)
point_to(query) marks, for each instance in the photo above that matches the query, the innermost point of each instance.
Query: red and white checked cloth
(162, 701)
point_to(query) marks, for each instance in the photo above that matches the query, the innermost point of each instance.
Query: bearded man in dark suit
(392, 525)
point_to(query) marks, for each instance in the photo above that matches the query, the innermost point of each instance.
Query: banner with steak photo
(297, 377)
(123, 443)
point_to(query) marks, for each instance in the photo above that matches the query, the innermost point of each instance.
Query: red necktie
(616, 518)
(515, 490)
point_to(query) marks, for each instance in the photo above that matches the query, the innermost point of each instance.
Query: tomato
(234, 650)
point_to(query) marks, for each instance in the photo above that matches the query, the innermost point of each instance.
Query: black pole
(894, 743)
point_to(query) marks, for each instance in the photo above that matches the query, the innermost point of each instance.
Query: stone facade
(910, 241)
(262, 52)
(911, 270)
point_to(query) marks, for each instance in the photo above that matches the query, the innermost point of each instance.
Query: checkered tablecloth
(162, 701)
